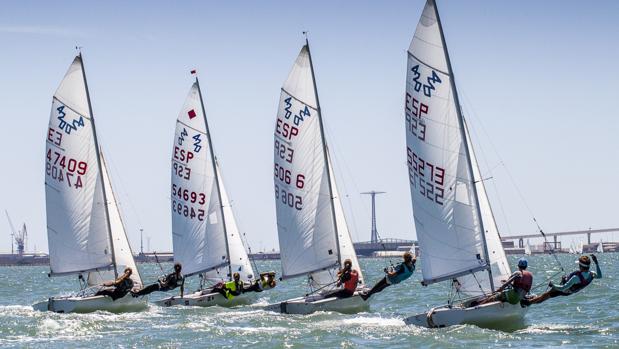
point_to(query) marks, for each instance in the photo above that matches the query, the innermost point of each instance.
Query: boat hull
(76, 304)
(314, 303)
(491, 315)
(198, 299)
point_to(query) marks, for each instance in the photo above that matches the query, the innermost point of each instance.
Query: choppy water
(587, 319)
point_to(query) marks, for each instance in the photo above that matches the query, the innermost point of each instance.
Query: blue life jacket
(402, 273)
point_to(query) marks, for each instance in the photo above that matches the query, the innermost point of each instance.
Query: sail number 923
(426, 177)
(288, 198)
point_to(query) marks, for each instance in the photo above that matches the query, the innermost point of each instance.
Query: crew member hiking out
(121, 286)
(572, 283)
(266, 281)
(167, 283)
(401, 272)
(348, 277)
(515, 288)
(231, 288)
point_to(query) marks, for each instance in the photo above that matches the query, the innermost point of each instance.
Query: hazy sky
(538, 80)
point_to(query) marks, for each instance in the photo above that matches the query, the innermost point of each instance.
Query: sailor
(348, 277)
(121, 286)
(267, 281)
(166, 283)
(516, 287)
(401, 272)
(572, 283)
(231, 288)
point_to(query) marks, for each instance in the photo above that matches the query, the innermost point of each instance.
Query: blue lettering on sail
(181, 138)
(68, 126)
(431, 80)
(196, 144)
(298, 118)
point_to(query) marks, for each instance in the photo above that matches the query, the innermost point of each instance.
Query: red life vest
(525, 281)
(351, 284)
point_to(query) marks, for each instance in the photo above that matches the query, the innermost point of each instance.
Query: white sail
(239, 260)
(77, 230)
(527, 248)
(479, 284)
(444, 204)
(197, 225)
(122, 249)
(305, 220)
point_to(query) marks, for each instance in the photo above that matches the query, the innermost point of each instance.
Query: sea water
(587, 319)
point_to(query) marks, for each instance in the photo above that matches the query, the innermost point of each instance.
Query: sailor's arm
(598, 271)
(574, 280)
(509, 281)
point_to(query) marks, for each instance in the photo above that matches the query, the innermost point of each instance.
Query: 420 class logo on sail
(68, 126)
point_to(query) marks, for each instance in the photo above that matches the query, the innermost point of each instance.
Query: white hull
(76, 304)
(198, 299)
(310, 304)
(491, 315)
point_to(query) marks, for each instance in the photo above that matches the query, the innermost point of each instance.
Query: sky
(537, 79)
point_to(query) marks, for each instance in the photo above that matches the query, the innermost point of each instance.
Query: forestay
(305, 220)
(197, 227)
(76, 221)
(444, 204)
(122, 248)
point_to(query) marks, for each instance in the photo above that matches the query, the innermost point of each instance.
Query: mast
(221, 204)
(98, 152)
(466, 145)
(326, 156)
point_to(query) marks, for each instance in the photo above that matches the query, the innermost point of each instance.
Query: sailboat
(527, 248)
(205, 236)
(313, 235)
(85, 230)
(600, 248)
(457, 232)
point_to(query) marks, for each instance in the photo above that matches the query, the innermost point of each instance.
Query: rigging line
(339, 162)
(490, 171)
(320, 288)
(520, 194)
(251, 260)
(157, 260)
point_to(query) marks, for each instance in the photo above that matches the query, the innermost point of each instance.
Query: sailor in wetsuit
(572, 283)
(401, 272)
(121, 286)
(167, 283)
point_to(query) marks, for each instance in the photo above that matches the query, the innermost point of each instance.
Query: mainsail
(77, 230)
(453, 219)
(313, 235)
(84, 224)
(205, 235)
